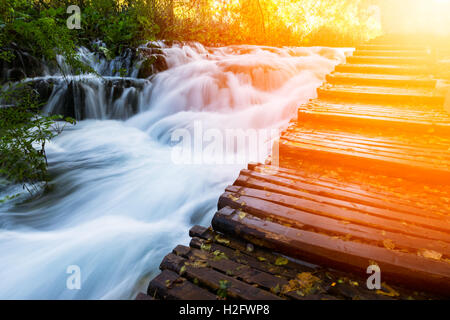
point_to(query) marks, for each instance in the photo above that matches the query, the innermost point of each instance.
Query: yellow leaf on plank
(390, 291)
(388, 244)
(182, 270)
(262, 259)
(430, 254)
(222, 240)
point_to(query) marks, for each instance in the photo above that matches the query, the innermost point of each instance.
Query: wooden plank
(367, 188)
(280, 194)
(340, 285)
(370, 163)
(381, 69)
(428, 144)
(375, 94)
(240, 251)
(168, 285)
(392, 60)
(393, 47)
(395, 110)
(219, 261)
(371, 122)
(408, 269)
(270, 282)
(380, 80)
(424, 155)
(340, 226)
(337, 190)
(390, 53)
(434, 160)
(212, 279)
(246, 258)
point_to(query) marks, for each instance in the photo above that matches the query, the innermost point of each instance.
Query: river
(119, 201)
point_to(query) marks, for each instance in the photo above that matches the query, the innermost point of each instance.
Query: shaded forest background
(33, 32)
(40, 25)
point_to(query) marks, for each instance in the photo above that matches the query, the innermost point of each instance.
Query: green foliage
(39, 30)
(222, 291)
(39, 27)
(23, 136)
(274, 22)
(120, 24)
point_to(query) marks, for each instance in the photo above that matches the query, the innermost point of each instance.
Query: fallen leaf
(262, 259)
(430, 254)
(205, 247)
(222, 240)
(276, 289)
(388, 244)
(182, 270)
(281, 261)
(241, 215)
(390, 293)
(354, 283)
(219, 255)
(200, 264)
(304, 284)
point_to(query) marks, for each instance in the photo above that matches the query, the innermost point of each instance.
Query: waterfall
(118, 202)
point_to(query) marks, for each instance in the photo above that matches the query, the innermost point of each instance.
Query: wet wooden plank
(337, 285)
(395, 48)
(217, 259)
(375, 121)
(429, 143)
(366, 231)
(380, 95)
(253, 261)
(213, 280)
(381, 69)
(404, 111)
(169, 285)
(390, 60)
(380, 80)
(345, 183)
(249, 254)
(420, 155)
(410, 269)
(395, 167)
(330, 219)
(389, 53)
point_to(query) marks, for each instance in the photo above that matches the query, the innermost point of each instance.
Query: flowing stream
(118, 201)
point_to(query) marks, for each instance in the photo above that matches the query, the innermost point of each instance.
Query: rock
(23, 65)
(16, 74)
(152, 64)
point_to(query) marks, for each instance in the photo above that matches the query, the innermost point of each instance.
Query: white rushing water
(119, 203)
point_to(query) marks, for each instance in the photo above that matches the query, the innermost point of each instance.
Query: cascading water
(118, 201)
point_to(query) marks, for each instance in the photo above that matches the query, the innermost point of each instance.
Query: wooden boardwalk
(363, 179)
